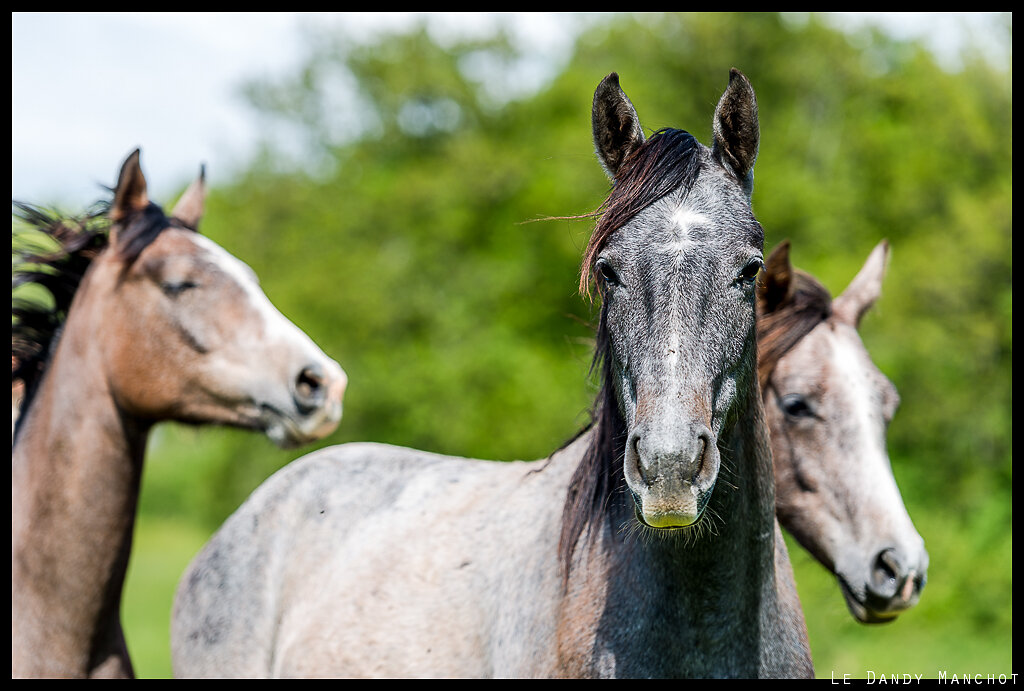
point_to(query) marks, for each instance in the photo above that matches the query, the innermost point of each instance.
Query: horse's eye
(173, 289)
(750, 271)
(607, 273)
(795, 406)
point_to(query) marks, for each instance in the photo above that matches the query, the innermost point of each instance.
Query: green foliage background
(399, 239)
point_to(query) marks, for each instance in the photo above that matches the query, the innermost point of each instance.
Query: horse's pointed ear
(865, 287)
(189, 209)
(617, 131)
(130, 194)
(736, 132)
(775, 286)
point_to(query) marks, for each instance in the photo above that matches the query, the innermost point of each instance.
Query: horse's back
(368, 560)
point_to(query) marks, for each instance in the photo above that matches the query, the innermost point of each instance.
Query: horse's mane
(35, 324)
(667, 161)
(807, 304)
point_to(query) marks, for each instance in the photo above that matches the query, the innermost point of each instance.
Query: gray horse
(828, 407)
(646, 547)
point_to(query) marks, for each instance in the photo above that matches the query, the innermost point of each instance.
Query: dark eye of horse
(750, 271)
(795, 406)
(607, 273)
(176, 288)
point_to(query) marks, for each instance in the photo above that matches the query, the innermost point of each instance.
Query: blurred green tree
(401, 243)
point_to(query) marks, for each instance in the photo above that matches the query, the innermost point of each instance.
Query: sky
(87, 89)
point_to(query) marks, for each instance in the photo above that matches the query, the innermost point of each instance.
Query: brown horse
(828, 407)
(151, 321)
(646, 547)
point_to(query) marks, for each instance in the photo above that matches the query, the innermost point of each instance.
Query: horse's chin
(284, 437)
(860, 611)
(288, 432)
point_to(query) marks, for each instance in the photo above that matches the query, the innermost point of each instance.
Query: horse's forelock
(780, 330)
(139, 230)
(665, 162)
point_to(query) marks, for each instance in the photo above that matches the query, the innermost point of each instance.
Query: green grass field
(163, 548)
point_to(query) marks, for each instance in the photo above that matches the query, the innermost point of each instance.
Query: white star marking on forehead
(685, 219)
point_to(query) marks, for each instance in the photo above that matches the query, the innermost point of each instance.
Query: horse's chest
(685, 646)
(676, 631)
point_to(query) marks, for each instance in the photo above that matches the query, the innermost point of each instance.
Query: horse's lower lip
(669, 524)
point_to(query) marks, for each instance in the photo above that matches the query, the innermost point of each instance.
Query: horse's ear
(736, 132)
(189, 209)
(865, 287)
(775, 286)
(617, 131)
(130, 194)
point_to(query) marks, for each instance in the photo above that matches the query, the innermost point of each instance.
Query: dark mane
(36, 324)
(667, 161)
(808, 304)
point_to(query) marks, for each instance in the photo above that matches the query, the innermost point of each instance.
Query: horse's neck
(685, 604)
(75, 474)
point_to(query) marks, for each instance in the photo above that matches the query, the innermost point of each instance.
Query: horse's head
(676, 255)
(829, 407)
(189, 335)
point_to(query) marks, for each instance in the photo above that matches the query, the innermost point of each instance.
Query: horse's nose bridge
(874, 504)
(286, 355)
(885, 549)
(670, 440)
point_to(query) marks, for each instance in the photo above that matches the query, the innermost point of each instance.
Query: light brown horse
(828, 407)
(152, 321)
(646, 547)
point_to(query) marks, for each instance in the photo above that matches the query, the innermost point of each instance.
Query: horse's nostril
(702, 450)
(638, 462)
(886, 574)
(909, 586)
(309, 387)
